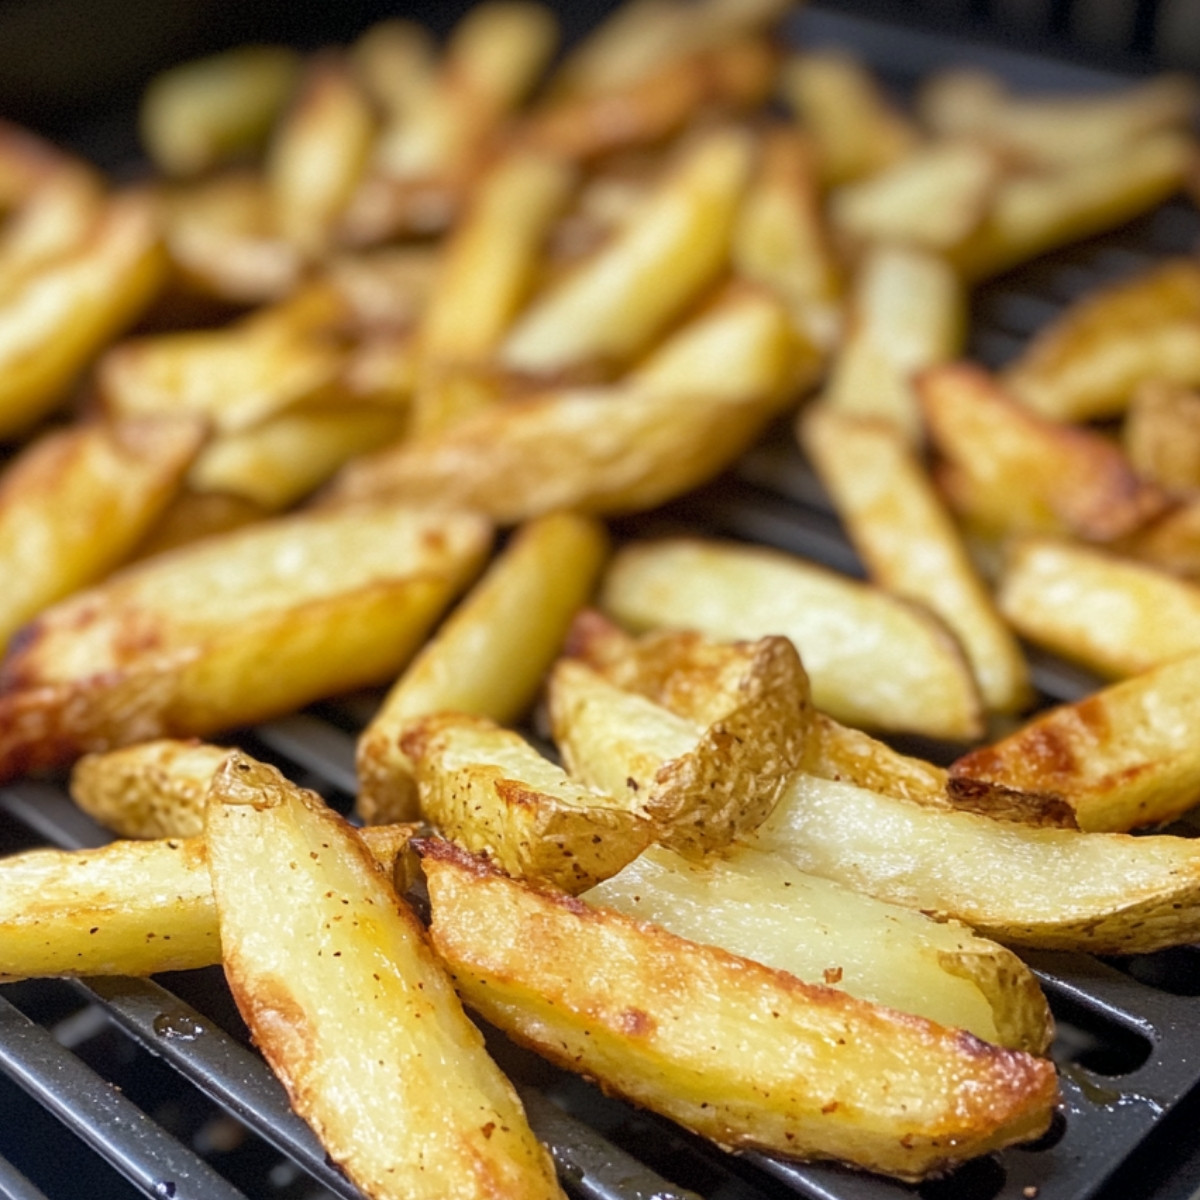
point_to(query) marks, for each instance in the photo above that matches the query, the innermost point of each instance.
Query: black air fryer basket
(120, 1088)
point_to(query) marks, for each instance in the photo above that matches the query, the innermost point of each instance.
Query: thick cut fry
(1089, 362)
(612, 306)
(1125, 757)
(760, 907)
(395, 59)
(687, 413)
(873, 660)
(195, 515)
(1007, 470)
(344, 997)
(1161, 434)
(128, 908)
(53, 324)
(907, 312)
(740, 1053)
(486, 789)
(153, 789)
(1111, 614)
(1172, 542)
(839, 103)
(76, 502)
(701, 784)
(508, 629)
(201, 113)
(910, 544)
(1058, 889)
(232, 630)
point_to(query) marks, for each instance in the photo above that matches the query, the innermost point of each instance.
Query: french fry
(1056, 889)
(510, 627)
(874, 661)
(231, 630)
(1111, 614)
(1007, 470)
(612, 306)
(486, 789)
(1090, 361)
(52, 325)
(26, 161)
(153, 789)
(395, 59)
(1122, 758)
(128, 908)
(910, 544)
(1172, 542)
(75, 503)
(700, 784)
(907, 312)
(737, 1052)
(195, 515)
(342, 994)
(201, 113)
(760, 907)
(1161, 435)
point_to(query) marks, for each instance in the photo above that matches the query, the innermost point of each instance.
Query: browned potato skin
(735, 1051)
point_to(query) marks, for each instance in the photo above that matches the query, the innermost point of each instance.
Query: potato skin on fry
(744, 1055)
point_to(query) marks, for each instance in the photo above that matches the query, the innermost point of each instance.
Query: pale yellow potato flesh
(342, 994)
(1124, 757)
(1109, 613)
(745, 1055)
(128, 908)
(508, 628)
(75, 503)
(760, 907)
(487, 789)
(232, 629)
(873, 660)
(1060, 889)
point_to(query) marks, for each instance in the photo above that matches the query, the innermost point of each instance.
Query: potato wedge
(487, 789)
(1122, 758)
(874, 661)
(75, 503)
(1161, 435)
(231, 630)
(128, 908)
(509, 629)
(333, 975)
(1007, 470)
(1089, 362)
(1055, 889)
(153, 789)
(735, 1051)
(1111, 614)
(195, 515)
(701, 785)
(760, 907)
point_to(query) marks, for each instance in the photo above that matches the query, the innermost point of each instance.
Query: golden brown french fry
(487, 789)
(318, 154)
(738, 1052)
(56, 321)
(874, 661)
(26, 161)
(1161, 434)
(839, 103)
(509, 628)
(335, 979)
(907, 311)
(910, 544)
(128, 908)
(1006, 469)
(1121, 758)
(1063, 889)
(760, 907)
(203, 112)
(195, 515)
(232, 629)
(396, 60)
(613, 305)
(1172, 542)
(1089, 361)
(1114, 615)
(75, 503)
(700, 400)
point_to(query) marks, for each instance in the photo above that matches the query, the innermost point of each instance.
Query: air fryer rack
(120, 1088)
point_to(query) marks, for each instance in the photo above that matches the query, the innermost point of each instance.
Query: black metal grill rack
(123, 1088)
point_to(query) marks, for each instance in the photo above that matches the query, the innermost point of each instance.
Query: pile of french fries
(340, 395)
